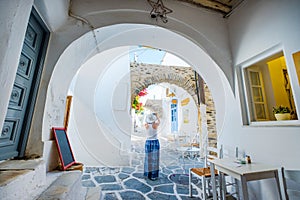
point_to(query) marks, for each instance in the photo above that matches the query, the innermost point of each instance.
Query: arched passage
(131, 35)
(143, 75)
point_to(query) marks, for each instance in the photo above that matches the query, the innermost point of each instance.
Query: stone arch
(144, 75)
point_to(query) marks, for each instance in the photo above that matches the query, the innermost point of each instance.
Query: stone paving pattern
(122, 183)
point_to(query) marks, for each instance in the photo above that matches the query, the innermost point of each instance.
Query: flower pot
(283, 116)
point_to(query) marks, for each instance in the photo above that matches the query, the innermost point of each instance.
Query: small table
(242, 172)
(191, 151)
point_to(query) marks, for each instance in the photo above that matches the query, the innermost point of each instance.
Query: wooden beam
(211, 4)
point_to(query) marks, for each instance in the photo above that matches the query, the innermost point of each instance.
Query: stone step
(93, 193)
(19, 178)
(66, 187)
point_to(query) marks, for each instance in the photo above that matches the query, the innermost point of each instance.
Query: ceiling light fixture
(159, 10)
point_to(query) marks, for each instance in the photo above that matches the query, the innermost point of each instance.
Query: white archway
(83, 50)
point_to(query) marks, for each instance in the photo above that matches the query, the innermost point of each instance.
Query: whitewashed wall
(190, 127)
(100, 125)
(257, 27)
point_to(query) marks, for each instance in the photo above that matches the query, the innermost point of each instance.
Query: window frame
(251, 95)
(245, 96)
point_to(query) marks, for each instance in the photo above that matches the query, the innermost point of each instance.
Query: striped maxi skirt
(151, 167)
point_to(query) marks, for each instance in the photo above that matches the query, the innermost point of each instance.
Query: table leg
(213, 180)
(236, 187)
(222, 186)
(278, 184)
(244, 188)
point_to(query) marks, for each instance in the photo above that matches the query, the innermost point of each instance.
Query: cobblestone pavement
(122, 183)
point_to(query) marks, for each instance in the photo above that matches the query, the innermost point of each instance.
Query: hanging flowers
(143, 92)
(136, 104)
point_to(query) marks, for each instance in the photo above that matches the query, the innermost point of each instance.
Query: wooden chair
(204, 175)
(291, 183)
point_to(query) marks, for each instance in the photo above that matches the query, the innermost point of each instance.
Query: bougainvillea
(136, 104)
(143, 92)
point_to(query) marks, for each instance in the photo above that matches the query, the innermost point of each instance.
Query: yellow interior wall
(296, 57)
(276, 67)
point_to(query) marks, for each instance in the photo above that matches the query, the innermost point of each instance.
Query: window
(267, 85)
(257, 94)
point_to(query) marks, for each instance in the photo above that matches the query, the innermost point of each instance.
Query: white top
(151, 133)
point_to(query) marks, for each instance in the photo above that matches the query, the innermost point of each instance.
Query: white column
(203, 128)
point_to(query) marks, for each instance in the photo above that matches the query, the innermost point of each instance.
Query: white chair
(291, 183)
(204, 174)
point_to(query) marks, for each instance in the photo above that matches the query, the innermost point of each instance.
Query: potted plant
(282, 112)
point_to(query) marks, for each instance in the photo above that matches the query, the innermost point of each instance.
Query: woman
(151, 167)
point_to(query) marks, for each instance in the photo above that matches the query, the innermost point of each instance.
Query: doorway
(17, 122)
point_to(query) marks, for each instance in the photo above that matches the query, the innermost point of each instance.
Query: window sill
(276, 123)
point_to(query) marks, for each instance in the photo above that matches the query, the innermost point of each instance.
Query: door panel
(15, 129)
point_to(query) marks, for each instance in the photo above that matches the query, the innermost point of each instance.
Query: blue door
(174, 115)
(16, 126)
